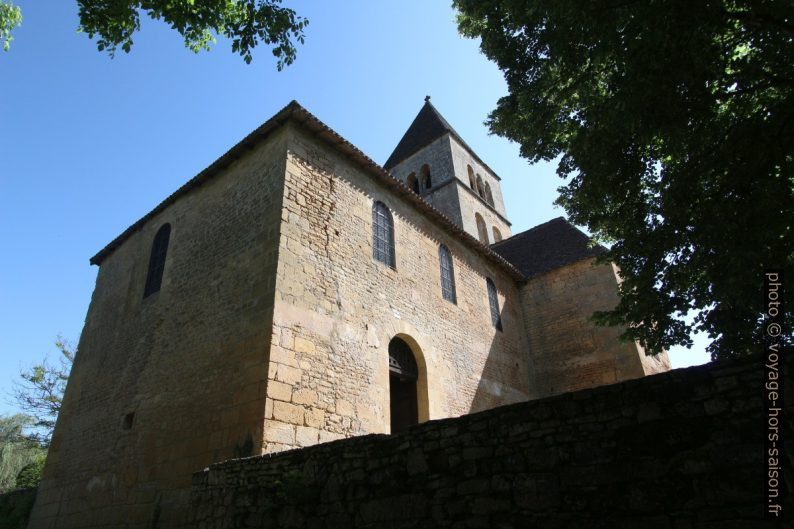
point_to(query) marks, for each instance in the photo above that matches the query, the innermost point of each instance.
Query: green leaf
(672, 122)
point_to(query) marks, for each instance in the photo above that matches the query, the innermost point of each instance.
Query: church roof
(295, 113)
(547, 246)
(427, 126)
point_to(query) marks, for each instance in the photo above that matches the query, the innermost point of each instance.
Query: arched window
(427, 183)
(488, 195)
(497, 235)
(382, 234)
(480, 188)
(403, 375)
(447, 274)
(471, 177)
(482, 231)
(154, 276)
(493, 301)
(413, 183)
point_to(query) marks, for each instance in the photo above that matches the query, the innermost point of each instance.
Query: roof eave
(294, 111)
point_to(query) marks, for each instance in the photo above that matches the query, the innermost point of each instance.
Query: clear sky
(88, 145)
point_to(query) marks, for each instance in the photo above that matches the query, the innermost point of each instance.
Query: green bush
(30, 475)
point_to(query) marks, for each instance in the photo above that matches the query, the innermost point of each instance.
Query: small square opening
(128, 420)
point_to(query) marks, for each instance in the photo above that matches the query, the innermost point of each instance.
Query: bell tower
(434, 161)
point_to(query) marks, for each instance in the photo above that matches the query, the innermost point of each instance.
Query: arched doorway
(403, 375)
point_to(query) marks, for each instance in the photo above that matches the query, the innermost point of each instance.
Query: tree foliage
(10, 17)
(30, 475)
(17, 451)
(674, 123)
(244, 22)
(41, 391)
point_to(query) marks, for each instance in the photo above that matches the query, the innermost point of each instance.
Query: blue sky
(89, 144)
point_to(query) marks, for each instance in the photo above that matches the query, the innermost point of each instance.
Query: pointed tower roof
(428, 126)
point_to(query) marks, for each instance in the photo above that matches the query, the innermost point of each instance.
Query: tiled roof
(545, 247)
(427, 126)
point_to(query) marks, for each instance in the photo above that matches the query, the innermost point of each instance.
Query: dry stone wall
(677, 450)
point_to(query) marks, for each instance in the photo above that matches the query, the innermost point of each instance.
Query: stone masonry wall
(446, 200)
(190, 362)
(569, 350)
(461, 158)
(337, 308)
(470, 202)
(447, 160)
(683, 449)
(470, 205)
(436, 155)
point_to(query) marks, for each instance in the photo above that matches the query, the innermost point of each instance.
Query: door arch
(407, 384)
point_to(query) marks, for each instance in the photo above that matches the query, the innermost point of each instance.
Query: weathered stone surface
(569, 352)
(189, 361)
(676, 467)
(289, 413)
(279, 391)
(305, 396)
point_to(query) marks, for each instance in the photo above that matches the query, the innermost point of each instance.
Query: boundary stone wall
(15, 507)
(677, 450)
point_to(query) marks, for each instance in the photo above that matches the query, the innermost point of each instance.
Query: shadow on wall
(500, 367)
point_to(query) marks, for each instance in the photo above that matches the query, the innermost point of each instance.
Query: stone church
(295, 292)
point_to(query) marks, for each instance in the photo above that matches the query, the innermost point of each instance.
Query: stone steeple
(434, 161)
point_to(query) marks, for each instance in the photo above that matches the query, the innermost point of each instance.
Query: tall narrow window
(493, 300)
(157, 260)
(426, 181)
(471, 177)
(413, 183)
(488, 195)
(497, 235)
(447, 274)
(382, 234)
(482, 231)
(480, 187)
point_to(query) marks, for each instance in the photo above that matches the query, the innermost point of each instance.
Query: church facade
(295, 292)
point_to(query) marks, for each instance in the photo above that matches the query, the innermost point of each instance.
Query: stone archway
(407, 384)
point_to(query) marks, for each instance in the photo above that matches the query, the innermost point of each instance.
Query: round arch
(419, 383)
(425, 179)
(482, 230)
(472, 183)
(413, 183)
